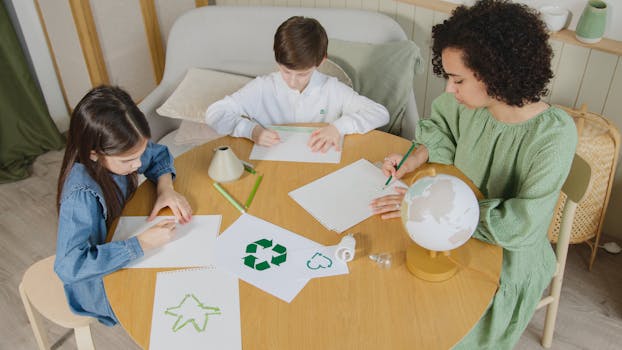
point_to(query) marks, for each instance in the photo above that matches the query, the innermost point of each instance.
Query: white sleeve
(360, 114)
(225, 116)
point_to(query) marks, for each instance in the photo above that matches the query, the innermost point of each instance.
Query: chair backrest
(239, 39)
(575, 187)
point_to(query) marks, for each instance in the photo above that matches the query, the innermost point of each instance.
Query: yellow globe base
(434, 266)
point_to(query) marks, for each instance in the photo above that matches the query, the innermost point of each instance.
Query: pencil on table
(229, 197)
(253, 191)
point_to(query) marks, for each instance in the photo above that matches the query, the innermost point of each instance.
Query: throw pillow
(199, 89)
(382, 72)
(332, 69)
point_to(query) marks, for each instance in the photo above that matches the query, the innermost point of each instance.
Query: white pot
(225, 166)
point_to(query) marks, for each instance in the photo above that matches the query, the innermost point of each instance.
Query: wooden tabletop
(369, 308)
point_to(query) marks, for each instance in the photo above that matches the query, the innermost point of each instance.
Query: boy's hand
(265, 137)
(324, 138)
(157, 235)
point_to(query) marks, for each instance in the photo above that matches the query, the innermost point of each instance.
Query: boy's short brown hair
(300, 43)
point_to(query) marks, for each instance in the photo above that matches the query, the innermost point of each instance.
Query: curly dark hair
(505, 44)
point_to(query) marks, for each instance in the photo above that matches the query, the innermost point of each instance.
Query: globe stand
(429, 265)
(433, 266)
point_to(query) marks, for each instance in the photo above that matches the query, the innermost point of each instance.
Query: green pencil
(228, 197)
(401, 162)
(253, 191)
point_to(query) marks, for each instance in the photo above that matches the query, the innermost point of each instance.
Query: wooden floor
(590, 315)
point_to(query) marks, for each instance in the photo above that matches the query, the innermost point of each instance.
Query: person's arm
(440, 132)
(359, 113)
(519, 222)
(225, 116)
(156, 161)
(157, 165)
(81, 252)
(435, 138)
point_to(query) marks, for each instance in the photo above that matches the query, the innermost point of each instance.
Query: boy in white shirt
(297, 93)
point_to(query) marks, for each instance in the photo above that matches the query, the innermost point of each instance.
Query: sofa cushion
(331, 68)
(381, 72)
(199, 89)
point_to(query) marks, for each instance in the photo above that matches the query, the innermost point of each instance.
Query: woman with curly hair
(491, 124)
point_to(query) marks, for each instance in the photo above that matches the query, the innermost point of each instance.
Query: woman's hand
(393, 160)
(390, 205)
(324, 138)
(168, 197)
(265, 137)
(157, 235)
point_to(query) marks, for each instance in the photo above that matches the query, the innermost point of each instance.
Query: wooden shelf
(605, 45)
(567, 36)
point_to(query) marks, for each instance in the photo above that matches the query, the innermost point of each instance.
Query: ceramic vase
(591, 25)
(225, 166)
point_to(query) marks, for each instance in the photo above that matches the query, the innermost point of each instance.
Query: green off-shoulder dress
(520, 169)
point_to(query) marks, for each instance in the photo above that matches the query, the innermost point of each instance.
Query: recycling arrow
(278, 252)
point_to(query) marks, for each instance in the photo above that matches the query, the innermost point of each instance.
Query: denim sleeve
(81, 250)
(156, 161)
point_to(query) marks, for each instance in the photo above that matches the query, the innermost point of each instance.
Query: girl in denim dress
(107, 146)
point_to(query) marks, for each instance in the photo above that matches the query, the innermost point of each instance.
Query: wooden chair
(575, 188)
(42, 293)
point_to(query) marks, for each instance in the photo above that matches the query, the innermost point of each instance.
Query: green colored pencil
(253, 191)
(401, 162)
(228, 197)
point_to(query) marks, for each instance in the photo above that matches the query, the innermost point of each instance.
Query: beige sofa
(238, 39)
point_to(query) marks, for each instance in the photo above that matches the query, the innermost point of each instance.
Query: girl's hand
(323, 139)
(157, 235)
(265, 137)
(390, 205)
(168, 197)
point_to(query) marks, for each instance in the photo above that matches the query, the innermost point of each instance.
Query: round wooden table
(369, 308)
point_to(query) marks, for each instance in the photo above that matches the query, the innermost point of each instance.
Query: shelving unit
(605, 45)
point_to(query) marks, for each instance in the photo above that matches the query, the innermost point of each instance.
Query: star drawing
(191, 311)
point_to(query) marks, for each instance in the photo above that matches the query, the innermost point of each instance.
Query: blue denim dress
(83, 257)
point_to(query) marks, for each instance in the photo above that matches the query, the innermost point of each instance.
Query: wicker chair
(574, 189)
(599, 145)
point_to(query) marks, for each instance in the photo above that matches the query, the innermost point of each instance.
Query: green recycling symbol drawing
(277, 252)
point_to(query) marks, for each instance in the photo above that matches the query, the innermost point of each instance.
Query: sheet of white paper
(258, 252)
(293, 147)
(316, 262)
(196, 309)
(341, 199)
(192, 246)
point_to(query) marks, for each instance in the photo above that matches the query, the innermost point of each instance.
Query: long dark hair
(108, 122)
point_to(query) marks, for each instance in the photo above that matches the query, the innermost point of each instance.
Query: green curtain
(26, 129)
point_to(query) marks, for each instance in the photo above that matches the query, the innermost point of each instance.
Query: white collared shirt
(269, 100)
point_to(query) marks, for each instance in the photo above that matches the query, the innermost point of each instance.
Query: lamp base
(433, 266)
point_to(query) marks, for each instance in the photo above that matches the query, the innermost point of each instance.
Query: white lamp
(225, 166)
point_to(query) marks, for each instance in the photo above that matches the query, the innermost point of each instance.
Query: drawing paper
(196, 309)
(192, 246)
(261, 253)
(341, 199)
(293, 147)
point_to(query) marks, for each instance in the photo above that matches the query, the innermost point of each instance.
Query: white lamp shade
(225, 166)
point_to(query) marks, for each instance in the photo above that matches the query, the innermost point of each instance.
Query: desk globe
(440, 213)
